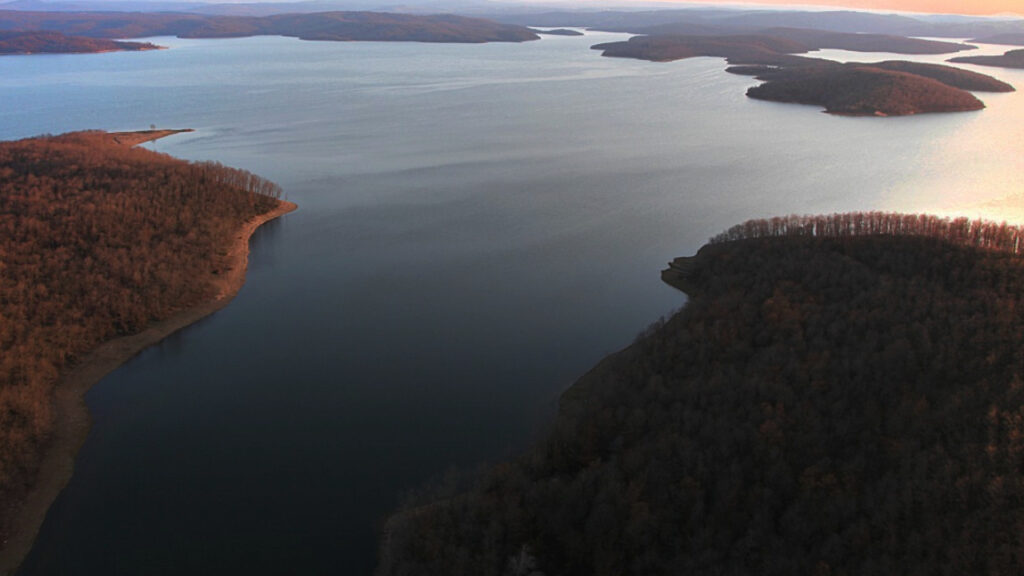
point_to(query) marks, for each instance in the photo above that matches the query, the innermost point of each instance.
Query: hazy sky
(936, 6)
(972, 7)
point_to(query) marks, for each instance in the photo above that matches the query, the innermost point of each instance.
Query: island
(840, 395)
(1011, 59)
(37, 42)
(107, 249)
(334, 26)
(558, 32)
(890, 88)
(862, 90)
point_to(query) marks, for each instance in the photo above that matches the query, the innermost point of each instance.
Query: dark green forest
(97, 239)
(840, 395)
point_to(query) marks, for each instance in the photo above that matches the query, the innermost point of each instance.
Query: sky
(974, 7)
(967, 7)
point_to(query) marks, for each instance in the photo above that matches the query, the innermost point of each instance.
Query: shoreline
(142, 136)
(71, 415)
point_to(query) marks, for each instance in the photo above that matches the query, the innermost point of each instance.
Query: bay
(478, 225)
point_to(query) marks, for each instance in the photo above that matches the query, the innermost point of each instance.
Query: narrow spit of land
(49, 42)
(71, 420)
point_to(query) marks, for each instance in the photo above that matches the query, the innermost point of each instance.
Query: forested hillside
(891, 88)
(841, 395)
(1011, 59)
(97, 239)
(336, 26)
(57, 43)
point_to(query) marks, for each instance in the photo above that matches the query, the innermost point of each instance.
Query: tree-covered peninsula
(335, 26)
(57, 43)
(99, 242)
(841, 395)
(1011, 59)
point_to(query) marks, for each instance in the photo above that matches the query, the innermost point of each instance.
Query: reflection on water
(478, 225)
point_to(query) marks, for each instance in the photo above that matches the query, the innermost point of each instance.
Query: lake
(477, 226)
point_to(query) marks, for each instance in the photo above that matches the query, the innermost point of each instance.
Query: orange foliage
(96, 241)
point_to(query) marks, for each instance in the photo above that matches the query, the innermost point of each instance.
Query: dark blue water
(478, 225)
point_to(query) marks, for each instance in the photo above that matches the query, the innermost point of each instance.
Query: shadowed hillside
(841, 395)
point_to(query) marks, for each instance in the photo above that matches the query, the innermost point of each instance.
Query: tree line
(962, 231)
(97, 240)
(828, 404)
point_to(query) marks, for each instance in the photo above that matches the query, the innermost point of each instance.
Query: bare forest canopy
(891, 88)
(338, 26)
(840, 395)
(961, 231)
(1011, 59)
(97, 240)
(57, 43)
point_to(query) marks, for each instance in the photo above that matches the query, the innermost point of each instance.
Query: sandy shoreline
(71, 415)
(141, 136)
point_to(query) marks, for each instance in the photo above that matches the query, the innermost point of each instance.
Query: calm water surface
(478, 225)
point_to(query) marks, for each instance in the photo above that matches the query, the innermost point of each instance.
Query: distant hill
(840, 395)
(737, 49)
(340, 26)
(748, 20)
(57, 43)
(891, 88)
(1012, 59)
(1016, 39)
(741, 47)
(99, 6)
(858, 90)
(823, 39)
(956, 77)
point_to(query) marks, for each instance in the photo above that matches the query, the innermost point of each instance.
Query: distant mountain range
(255, 8)
(723, 21)
(638, 18)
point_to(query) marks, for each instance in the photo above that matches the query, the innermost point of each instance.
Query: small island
(43, 42)
(107, 249)
(840, 395)
(558, 32)
(862, 90)
(1011, 59)
(891, 88)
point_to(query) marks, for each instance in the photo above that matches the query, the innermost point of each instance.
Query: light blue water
(478, 225)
